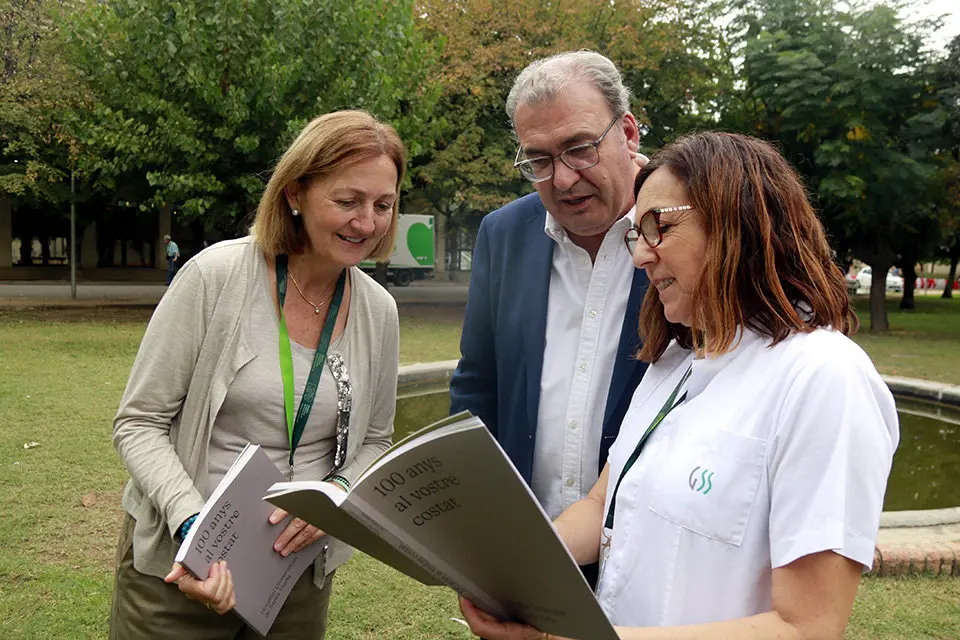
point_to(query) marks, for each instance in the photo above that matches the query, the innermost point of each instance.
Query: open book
(446, 506)
(233, 526)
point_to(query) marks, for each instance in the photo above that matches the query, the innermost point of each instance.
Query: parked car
(865, 279)
(852, 284)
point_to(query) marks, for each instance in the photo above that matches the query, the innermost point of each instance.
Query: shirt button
(569, 482)
(593, 313)
(574, 424)
(583, 367)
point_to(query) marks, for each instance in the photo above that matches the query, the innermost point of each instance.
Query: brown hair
(768, 265)
(326, 145)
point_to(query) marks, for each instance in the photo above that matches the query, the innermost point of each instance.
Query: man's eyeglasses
(578, 158)
(649, 228)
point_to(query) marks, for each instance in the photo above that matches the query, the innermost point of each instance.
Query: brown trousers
(147, 607)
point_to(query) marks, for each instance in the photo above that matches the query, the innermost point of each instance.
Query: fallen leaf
(89, 500)
(30, 445)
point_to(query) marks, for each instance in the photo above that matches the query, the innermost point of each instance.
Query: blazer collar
(534, 280)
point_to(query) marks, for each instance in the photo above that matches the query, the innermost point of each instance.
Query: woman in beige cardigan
(207, 378)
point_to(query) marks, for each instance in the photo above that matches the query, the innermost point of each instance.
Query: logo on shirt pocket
(701, 481)
(723, 465)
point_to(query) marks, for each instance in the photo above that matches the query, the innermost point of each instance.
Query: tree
(950, 221)
(669, 52)
(836, 89)
(198, 99)
(947, 77)
(36, 91)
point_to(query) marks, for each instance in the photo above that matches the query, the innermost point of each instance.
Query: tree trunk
(380, 274)
(907, 301)
(45, 250)
(26, 249)
(879, 322)
(952, 276)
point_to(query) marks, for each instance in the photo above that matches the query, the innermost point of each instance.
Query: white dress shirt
(776, 453)
(585, 309)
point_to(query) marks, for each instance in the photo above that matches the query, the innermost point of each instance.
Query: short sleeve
(830, 457)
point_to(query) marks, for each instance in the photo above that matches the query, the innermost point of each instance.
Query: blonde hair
(325, 146)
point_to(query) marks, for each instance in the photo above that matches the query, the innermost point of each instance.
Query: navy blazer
(504, 333)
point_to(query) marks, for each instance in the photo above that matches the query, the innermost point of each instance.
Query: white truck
(413, 255)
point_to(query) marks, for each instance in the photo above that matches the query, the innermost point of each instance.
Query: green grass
(909, 608)
(61, 376)
(922, 343)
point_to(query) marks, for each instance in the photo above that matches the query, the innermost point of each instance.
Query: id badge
(606, 538)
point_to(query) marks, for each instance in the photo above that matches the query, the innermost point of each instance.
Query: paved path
(47, 293)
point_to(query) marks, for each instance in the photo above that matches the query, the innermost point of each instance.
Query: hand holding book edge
(485, 625)
(298, 534)
(216, 592)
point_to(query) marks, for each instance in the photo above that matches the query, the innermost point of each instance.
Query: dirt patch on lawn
(94, 312)
(443, 314)
(77, 314)
(83, 536)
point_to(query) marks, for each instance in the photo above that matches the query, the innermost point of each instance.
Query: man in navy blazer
(550, 329)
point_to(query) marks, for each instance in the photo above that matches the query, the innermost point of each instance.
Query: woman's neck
(313, 273)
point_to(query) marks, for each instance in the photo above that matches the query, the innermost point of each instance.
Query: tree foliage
(668, 50)
(842, 88)
(946, 121)
(198, 98)
(37, 91)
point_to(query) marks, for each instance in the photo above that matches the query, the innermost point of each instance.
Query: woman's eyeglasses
(648, 228)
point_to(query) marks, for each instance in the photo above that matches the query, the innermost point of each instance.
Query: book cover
(445, 505)
(233, 526)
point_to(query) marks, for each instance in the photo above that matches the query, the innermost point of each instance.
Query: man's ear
(632, 131)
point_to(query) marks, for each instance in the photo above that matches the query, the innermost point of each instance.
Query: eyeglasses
(649, 228)
(578, 158)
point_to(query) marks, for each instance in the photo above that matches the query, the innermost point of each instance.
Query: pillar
(440, 248)
(88, 247)
(163, 229)
(6, 233)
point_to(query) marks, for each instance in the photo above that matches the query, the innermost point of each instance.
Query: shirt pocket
(709, 486)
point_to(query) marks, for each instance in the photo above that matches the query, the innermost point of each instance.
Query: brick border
(936, 558)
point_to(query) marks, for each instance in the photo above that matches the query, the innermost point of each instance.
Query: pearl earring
(295, 212)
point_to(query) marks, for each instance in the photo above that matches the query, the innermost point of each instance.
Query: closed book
(233, 526)
(446, 506)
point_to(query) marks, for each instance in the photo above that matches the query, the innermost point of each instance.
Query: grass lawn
(61, 376)
(922, 343)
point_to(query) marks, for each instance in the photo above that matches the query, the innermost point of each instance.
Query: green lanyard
(668, 406)
(295, 428)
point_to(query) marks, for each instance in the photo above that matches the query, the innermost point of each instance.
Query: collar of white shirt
(556, 231)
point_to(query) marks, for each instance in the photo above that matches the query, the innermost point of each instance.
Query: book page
(319, 504)
(454, 500)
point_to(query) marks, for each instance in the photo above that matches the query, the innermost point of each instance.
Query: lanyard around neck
(668, 406)
(296, 426)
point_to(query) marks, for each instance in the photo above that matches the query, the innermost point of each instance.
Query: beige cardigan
(193, 347)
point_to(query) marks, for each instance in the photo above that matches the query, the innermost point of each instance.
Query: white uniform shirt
(585, 309)
(776, 453)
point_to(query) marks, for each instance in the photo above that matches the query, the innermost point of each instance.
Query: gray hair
(541, 81)
(166, 237)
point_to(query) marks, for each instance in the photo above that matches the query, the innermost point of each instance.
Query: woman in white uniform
(742, 497)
